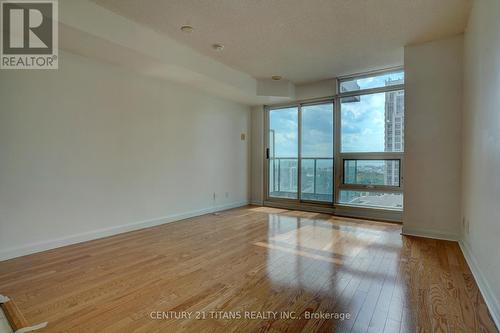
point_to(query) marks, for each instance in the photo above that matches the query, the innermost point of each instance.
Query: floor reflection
(315, 252)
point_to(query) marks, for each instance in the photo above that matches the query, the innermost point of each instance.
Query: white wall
(433, 138)
(92, 147)
(481, 153)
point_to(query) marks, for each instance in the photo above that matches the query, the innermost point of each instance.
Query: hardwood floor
(251, 259)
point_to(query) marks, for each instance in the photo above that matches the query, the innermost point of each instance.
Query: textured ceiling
(301, 40)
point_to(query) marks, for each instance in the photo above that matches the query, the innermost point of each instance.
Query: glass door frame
(299, 200)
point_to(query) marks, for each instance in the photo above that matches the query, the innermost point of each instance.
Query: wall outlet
(243, 136)
(227, 195)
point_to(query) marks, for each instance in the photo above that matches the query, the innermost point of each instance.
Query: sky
(362, 124)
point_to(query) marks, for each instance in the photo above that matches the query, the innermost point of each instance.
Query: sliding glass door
(301, 138)
(316, 154)
(283, 153)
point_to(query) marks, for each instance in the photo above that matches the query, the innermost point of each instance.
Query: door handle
(267, 153)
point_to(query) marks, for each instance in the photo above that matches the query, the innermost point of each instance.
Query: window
(371, 172)
(371, 81)
(371, 137)
(346, 150)
(366, 123)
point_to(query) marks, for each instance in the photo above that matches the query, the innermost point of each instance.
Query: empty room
(249, 166)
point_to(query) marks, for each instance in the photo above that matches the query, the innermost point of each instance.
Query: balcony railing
(316, 178)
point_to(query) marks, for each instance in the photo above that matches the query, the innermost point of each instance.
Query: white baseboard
(95, 234)
(492, 302)
(430, 233)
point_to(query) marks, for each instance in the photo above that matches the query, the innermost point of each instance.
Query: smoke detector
(218, 47)
(187, 28)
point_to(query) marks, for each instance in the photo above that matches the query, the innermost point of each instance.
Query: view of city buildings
(394, 126)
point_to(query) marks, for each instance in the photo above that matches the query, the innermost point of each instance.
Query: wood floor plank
(251, 261)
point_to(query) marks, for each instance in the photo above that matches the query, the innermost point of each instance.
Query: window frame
(335, 207)
(364, 75)
(298, 200)
(341, 157)
(364, 187)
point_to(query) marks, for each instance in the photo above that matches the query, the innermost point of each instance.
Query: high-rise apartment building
(394, 129)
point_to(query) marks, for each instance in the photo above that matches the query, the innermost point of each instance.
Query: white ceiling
(301, 40)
